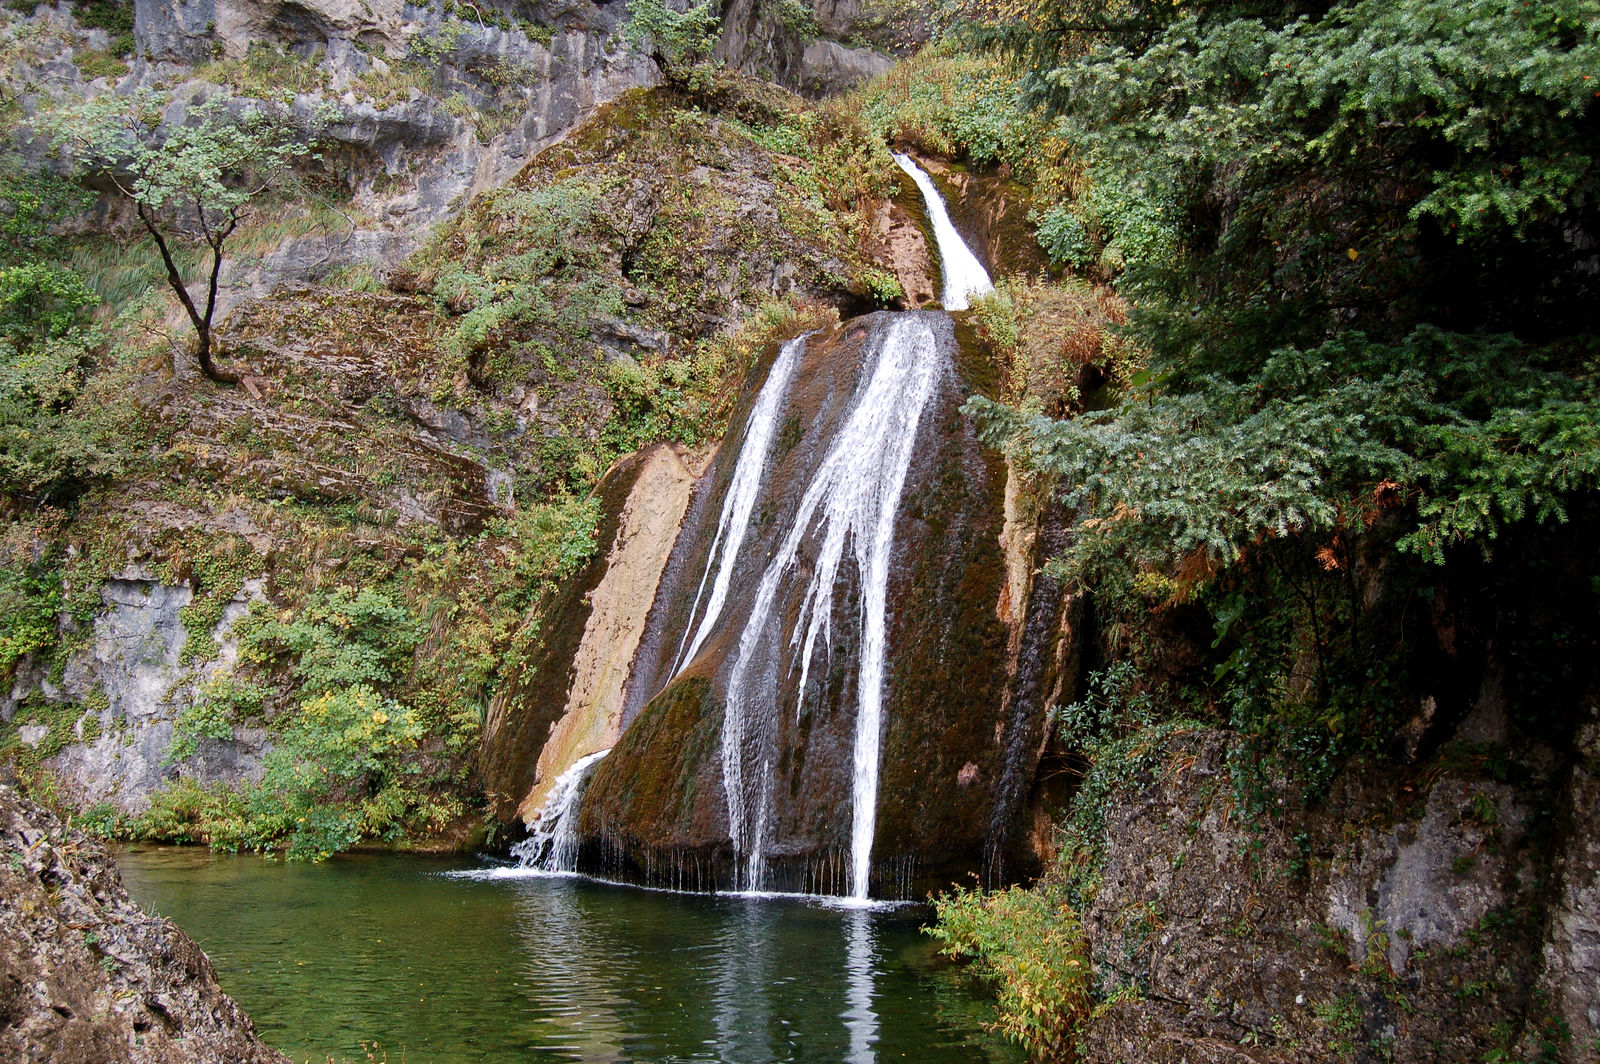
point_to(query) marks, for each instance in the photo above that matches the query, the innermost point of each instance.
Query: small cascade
(552, 845)
(743, 491)
(964, 275)
(851, 501)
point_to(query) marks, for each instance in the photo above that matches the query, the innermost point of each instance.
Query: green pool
(458, 962)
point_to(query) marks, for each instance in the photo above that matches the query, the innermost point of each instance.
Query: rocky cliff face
(111, 714)
(566, 700)
(85, 975)
(484, 98)
(1439, 928)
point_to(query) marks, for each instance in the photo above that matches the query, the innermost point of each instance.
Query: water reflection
(519, 969)
(860, 964)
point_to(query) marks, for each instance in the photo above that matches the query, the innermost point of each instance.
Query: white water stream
(851, 501)
(850, 504)
(743, 491)
(552, 842)
(964, 275)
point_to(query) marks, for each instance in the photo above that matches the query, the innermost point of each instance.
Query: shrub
(1030, 945)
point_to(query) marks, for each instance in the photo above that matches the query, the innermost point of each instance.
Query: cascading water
(815, 633)
(852, 499)
(964, 275)
(743, 491)
(552, 844)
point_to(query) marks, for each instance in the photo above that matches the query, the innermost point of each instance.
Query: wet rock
(647, 528)
(902, 248)
(566, 697)
(86, 976)
(656, 802)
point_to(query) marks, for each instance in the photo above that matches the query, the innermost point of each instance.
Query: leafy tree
(195, 178)
(47, 348)
(674, 39)
(1359, 241)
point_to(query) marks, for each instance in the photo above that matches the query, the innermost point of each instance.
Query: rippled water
(452, 969)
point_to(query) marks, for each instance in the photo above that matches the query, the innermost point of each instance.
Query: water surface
(443, 969)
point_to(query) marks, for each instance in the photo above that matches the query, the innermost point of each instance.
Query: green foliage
(883, 286)
(550, 285)
(62, 721)
(1215, 468)
(1119, 729)
(798, 20)
(343, 639)
(220, 703)
(113, 16)
(340, 771)
(39, 302)
(30, 598)
(267, 71)
(676, 38)
(213, 165)
(33, 203)
(953, 103)
(1030, 945)
(343, 766)
(489, 613)
(1254, 141)
(198, 177)
(998, 322)
(53, 440)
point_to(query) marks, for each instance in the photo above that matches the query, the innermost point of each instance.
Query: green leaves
(676, 37)
(224, 152)
(1031, 946)
(1223, 465)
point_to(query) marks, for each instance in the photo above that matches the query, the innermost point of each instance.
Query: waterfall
(964, 275)
(553, 844)
(851, 500)
(743, 491)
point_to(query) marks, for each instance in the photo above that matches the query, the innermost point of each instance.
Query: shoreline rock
(86, 975)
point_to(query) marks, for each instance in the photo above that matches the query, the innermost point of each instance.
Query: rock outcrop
(567, 700)
(86, 976)
(1361, 929)
(655, 809)
(109, 720)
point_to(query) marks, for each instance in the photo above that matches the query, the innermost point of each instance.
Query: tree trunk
(212, 371)
(201, 322)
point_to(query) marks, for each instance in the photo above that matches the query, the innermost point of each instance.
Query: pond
(457, 961)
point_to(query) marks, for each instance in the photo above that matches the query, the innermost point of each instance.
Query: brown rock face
(656, 809)
(569, 686)
(647, 528)
(86, 977)
(991, 211)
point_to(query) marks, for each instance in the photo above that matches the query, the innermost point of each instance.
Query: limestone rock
(828, 67)
(86, 976)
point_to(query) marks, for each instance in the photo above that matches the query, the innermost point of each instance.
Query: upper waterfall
(964, 275)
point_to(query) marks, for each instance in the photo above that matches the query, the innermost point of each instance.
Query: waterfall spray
(552, 844)
(743, 491)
